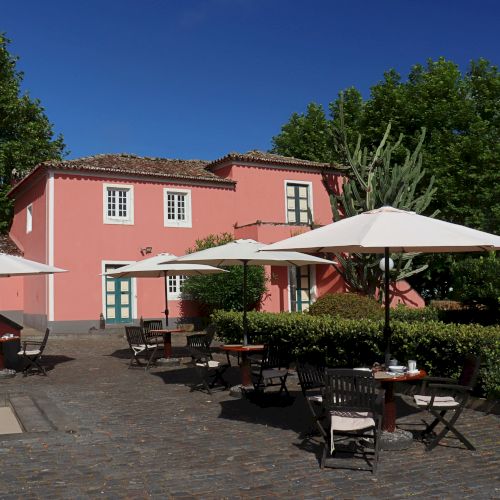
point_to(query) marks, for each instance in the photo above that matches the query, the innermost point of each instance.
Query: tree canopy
(26, 135)
(461, 113)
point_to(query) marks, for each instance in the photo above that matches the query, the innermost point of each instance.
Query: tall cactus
(374, 179)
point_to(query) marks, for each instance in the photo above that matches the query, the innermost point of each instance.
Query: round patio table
(393, 438)
(244, 350)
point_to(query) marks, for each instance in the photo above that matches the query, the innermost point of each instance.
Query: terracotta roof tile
(8, 246)
(270, 159)
(139, 165)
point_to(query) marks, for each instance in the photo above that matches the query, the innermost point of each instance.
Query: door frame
(133, 288)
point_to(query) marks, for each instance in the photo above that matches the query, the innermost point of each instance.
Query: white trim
(29, 218)
(129, 188)
(50, 242)
(176, 223)
(309, 185)
(133, 289)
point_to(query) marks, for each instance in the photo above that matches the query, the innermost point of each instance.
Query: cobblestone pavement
(127, 433)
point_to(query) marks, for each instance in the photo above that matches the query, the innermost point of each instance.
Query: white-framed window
(118, 204)
(175, 286)
(298, 202)
(177, 207)
(29, 218)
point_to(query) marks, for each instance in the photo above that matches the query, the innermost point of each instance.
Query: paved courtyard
(111, 432)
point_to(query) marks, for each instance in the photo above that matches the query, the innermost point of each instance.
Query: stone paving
(114, 432)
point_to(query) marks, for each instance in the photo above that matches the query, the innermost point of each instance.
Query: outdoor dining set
(352, 410)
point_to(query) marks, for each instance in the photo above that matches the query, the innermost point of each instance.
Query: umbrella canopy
(388, 227)
(12, 265)
(161, 266)
(386, 230)
(248, 253)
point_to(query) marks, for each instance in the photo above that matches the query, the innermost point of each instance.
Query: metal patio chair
(139, 346)
(354, 406)
(31, 354)
(210, 372)
(443, 397)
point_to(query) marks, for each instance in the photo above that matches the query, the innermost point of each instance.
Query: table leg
(389, 420)
(167, 345)
(246, 375)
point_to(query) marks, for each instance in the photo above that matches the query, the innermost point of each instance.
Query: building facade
(93, 214)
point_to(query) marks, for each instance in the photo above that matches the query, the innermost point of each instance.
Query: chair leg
(153, 354)
(449, 426)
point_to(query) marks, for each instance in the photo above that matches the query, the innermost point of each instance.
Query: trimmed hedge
(348, 306)
(438, 347)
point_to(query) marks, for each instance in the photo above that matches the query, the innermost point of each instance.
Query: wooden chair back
(44, 340)
(355, 390)
(277, 355)
(135, 335)
(310, 376)
(470, 371)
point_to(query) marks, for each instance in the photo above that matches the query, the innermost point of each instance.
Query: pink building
(92, 214)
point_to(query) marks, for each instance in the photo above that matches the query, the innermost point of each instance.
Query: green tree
(476, 282)
(306, 136)
(461, 114)
(224, 290)
(26, 136)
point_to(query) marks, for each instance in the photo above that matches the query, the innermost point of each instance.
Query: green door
(299, 279)
(118, 298)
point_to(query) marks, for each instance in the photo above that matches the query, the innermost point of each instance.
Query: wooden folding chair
(312, 382)
(210, 372)
(354, 406)
(444, 397)
(31, 353)
(139, 346)
(273, 370)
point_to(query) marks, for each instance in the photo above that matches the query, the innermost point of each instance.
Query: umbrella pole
(245, 322)
(387, 326)
(166, 298)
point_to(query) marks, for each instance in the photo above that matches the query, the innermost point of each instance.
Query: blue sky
(201, 78)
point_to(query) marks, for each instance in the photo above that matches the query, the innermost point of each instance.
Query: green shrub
(411, 314)
(476, 281)
(439, 348)
(347, 306)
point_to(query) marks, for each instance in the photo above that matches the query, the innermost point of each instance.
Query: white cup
(412, 365)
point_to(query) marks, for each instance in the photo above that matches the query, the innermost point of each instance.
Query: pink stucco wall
(79, 212)
(12, 293)
(34, 243)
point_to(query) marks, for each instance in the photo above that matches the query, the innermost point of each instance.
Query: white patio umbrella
(12, 265)
(161, 266)
(247, 253)
(386, 230)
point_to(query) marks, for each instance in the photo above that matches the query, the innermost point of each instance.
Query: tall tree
(461, 113)
(26, 135)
